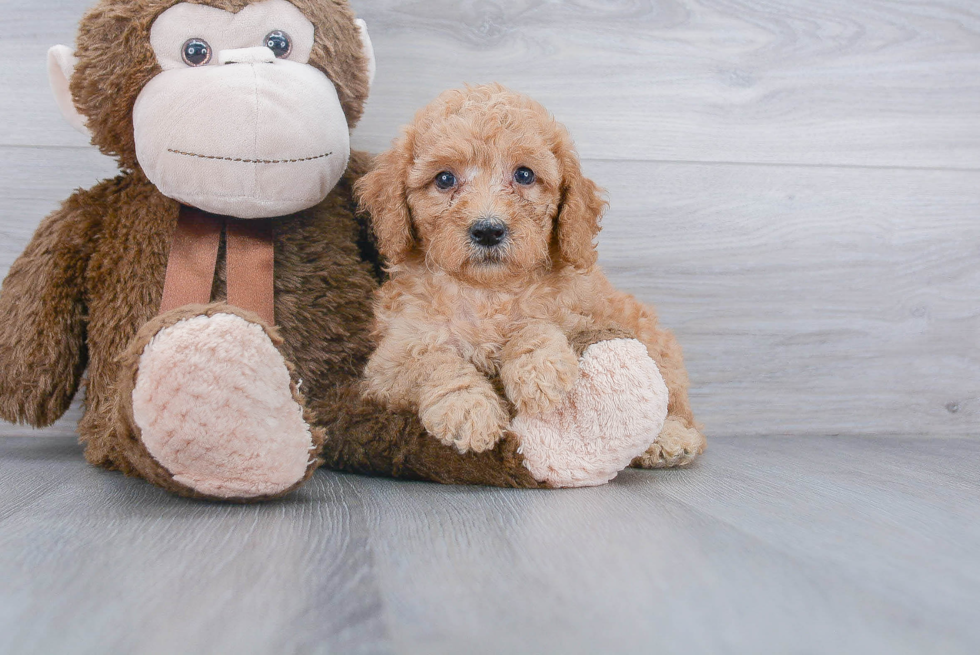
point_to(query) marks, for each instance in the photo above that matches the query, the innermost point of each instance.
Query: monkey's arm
(43, 318)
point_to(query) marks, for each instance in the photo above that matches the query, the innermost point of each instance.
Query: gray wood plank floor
(802, 545)
(794, 184)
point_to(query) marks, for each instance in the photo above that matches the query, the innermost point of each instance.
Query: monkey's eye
(280, 44)
(196, 52)
(524, 176)
(445, 180)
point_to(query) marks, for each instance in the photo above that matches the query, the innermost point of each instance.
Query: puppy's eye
(445, 180)
(524, 176)
(278, 41)
(195, 52)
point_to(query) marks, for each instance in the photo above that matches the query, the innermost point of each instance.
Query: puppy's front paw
(538, 381)
(469, 420)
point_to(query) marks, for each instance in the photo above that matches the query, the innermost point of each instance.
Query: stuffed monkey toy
(215, 298)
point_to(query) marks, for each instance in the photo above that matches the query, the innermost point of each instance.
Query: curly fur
(455, 316)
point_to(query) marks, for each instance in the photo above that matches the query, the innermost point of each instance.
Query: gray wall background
(794, 183)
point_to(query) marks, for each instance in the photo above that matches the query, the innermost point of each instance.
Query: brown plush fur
(455, 315)
(93, 277)
(115, 61)
(84, 294)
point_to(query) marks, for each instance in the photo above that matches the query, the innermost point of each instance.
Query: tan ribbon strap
(251, 267)
(193, 257)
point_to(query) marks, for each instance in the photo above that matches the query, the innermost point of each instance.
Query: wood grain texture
(809, 300)
(875, 82)
(819, 545)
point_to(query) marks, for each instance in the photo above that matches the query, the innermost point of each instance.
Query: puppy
(488, 229)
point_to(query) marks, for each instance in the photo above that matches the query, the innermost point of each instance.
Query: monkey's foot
(611, 416)
(214, 405)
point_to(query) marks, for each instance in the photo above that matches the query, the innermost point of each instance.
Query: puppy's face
(485, 186)
(483, 195)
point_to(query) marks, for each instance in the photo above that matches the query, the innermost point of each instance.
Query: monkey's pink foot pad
(214, 402)
(612, 415)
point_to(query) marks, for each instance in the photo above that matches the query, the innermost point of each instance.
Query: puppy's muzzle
(488, 232)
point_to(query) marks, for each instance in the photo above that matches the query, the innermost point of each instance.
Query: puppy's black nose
(488, 232)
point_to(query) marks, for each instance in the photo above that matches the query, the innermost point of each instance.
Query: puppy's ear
(580, 212)
(382, 194)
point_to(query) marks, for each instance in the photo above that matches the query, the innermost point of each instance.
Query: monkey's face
(238, 122)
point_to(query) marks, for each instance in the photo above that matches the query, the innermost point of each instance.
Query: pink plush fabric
(214, 404)
(613, 414)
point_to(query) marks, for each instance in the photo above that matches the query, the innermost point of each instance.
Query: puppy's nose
(488, 232)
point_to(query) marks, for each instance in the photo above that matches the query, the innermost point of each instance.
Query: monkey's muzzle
(247, 139)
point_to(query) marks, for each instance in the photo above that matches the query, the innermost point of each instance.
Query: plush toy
(216, 295)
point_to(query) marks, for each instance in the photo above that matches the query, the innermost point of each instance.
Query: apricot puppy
(488, 229)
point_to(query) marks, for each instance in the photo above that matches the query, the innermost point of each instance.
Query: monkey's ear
(61, 66)
(368, 50)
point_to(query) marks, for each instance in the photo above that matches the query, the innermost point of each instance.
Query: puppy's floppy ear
(580, 211)
(382, 193)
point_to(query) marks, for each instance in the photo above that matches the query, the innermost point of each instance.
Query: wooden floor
(794, 183)
(808, 545)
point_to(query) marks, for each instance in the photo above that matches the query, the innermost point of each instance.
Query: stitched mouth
(242, 160)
